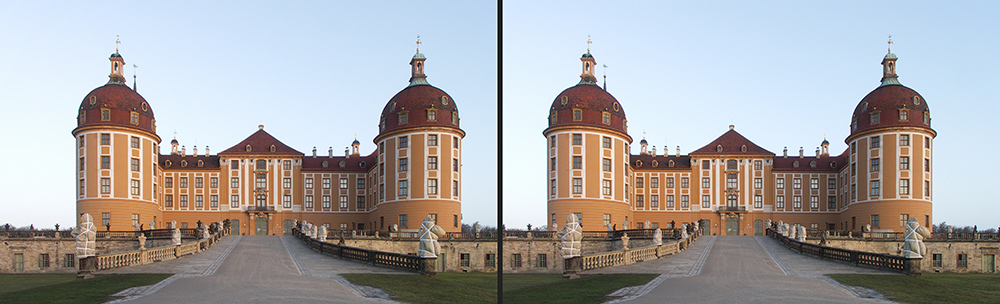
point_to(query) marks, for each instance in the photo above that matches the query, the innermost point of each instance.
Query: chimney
(801, 152)
(314, 151)
(817, 152)
(347, 152)
(784, 152)
(678, 151)
(194, 152)
(183, 151)
(331, 152)
(654, 151)
(206, 151)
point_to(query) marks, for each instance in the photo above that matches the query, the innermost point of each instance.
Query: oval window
(93, 100)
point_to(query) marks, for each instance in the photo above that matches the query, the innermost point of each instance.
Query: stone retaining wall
(977, 254)
(57, 249)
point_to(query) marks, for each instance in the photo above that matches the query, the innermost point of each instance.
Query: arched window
(261, 200)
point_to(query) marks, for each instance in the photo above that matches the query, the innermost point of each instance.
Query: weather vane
(588, 43)
(890, 43)
(418, 43)
(117, 42)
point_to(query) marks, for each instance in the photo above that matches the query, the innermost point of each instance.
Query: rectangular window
(402, 220)
(854, 169)
(343, 183)
(607, 220)
(199, 182)
(779, 183)
(70, 261)
(875, 164)
(432, 162)
(454, 164)
(134, 142)
(214, 182)
(404, 117)
(135, 187)
(214, 200)
(43, 260)
(542, 261)
(606, 165)
(515, 260)
(927, 164)
(797, 202)
(927, 188)
(260, 184)
(105, 185)
(577, 162)
(552, 141)
(361, 203)
(454, 188)
(875, 118)
(233, 182)
(831, 202)
(234, 164)
(654, 201)
(731, 181)
(577, 186)
(404, 141)
(875, 220)
(670, 182)
(606, 186)
(779, 202)
(432, 140)
(106, 218)
(168, 200)
(654, 182)
(874, 188)
(577, 139)
(552, 161)
(903, 217)
(670, 201)
(234, 201)
(875, 142)
(105, 162)
(343, 202)
(705, 182)
(814, 202)
(199, 201)
(758, 183)
(684, 182)
(105, 139)
(361, 182)
(705, 164)
(432, 186)
(326, 183)
(309, 201)
(403, 163)
(184, 182)
(854, 191)
(904, 162)
(184, 201)
(552, 191)
(685, 201)
(904, 140)
(403, 187)
(135, 219)
(491, 260)
(814, 183)
(937, 260)
(904, 186)
(797, 183)
(286, 183)
(706, 201)
(758, 201)
(831, 183)
(638, 201)
(326, 202)
(286, 201)
(757, 165)
(606, 142)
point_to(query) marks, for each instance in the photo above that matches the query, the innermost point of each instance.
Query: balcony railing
(732, 208)
(260, 208)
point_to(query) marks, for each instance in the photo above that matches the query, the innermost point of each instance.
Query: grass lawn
(552, 288)
(447, 287)
(65, 288)
(930, 287)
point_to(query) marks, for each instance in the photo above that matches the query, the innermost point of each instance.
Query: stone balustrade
(143, 257)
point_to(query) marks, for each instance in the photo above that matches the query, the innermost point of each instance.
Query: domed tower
(116, 155)
(890, 160)
(588, 172)
(419, 157)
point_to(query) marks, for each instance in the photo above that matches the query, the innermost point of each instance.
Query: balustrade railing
(147, 256)
(636, 255)
(402, 261)
(874, 260)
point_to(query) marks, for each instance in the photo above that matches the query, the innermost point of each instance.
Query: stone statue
(176, 237)
(801, 234)
(204, 232)
(142, 241)
(866, 228)
(684, 231)
(646, 226)
(913, 246)
(625, 241)
(314, 233)
(624, 225)
(769, 224)
(784, 229)
(136, 227)
(429, 234)
(322, 233)
(697, 225)
(173, 224)
(609, 228)
(86, 236)
(394, 228)
(793, 232)
(476, 227)
(571, 234)
(658, 237)
(152, 225)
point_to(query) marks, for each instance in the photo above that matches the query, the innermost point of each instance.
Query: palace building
(261, 184)
(733, 185)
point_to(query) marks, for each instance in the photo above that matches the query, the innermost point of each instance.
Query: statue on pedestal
(658, 237)
(173, 224)
(142, 241)
(86, 236)
(913, 246)
(429, 234)
(684, 231)
(322, 233)
(176, 237)
(571, 234)
(801, 234)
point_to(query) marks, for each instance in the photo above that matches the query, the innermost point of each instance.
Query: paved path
(741, 269)
(254, 269)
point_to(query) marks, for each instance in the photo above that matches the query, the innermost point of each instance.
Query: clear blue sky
(313, 72)
(785, 73)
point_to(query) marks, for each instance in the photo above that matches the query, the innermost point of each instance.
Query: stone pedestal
(913, 266)
(573, 267)
(87, 267)
(427, 266)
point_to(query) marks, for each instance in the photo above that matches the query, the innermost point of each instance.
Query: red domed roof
(120, 101)
(888, 101)
(593, 102)
(416, 101)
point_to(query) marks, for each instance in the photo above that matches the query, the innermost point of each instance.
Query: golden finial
(890, 43)
(418, 43)
(117, 42)
(588, 43)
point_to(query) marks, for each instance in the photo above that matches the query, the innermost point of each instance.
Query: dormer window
(325, 164)
(670, 164)
(655, 163)
(105, 115)
(342, 164)
(552, 117)
(564, 100)
(432, 115)
(875, 117)
(577, 115)
(444, 100)
(904, 115)
(403, 117)
(927, 117)
(184, 164)
(718, 148)
(134, 118)
(362, 164)
(795, 164)
(272, 148)
(83, 116)
(168, 163)
(201, 163)
(248, 148)
(454, 117)
(743, 148)
(812, 164)
(93, 100)
(606, 118)
(638, 163)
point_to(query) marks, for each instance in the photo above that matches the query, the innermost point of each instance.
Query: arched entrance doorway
(234, 227)
(260, 226)
(288, 227)
(732, 226)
